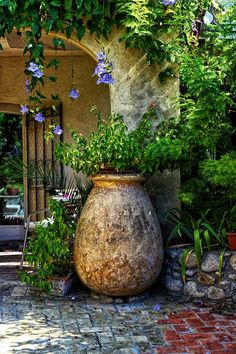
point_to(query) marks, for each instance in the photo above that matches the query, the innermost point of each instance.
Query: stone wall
(204, 282)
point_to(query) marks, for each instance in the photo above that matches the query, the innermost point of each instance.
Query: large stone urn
(118, 246)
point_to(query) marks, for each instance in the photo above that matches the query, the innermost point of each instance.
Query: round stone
(173, 284)
(205, 279)
(232, 276)
(210, 262)
(232, 262)
(215, 293)
(173, 252)
(177, 275)
(191, 260)
(95, 296)
(119, 301)
(106, 299)
(191, 272)
(190, 289)
(176, 266)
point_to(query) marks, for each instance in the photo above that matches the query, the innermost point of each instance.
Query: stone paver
(31, 322)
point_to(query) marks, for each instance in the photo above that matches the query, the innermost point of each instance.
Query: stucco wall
(136, 83)
(74, 113)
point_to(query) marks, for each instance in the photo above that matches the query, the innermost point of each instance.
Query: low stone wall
(204, 282)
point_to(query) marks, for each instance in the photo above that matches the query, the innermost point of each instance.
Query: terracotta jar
(232, 240)
(118, 247)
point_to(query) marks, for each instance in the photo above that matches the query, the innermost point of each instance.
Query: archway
(76, 68)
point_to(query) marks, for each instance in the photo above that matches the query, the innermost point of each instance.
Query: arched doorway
(76, 68)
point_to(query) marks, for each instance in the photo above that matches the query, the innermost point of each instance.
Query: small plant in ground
(205, 234)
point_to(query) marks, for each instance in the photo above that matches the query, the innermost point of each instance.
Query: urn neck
(118, 180)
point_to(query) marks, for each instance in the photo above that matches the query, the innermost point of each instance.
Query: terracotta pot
(118, 247)
(232, 240)
(13, 191)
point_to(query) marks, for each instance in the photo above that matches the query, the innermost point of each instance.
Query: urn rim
(118, 177)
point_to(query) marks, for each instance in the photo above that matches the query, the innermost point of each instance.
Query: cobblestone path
(31, 322)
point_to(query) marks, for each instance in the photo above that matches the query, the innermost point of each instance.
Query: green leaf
(87, 5)
(198, 246)
(52, 78)
(53, 12)
(60, 25)
(69, 30)
(55, 97)
(56, 3)
(68, 5)
(207, 239)
(5, 2)
(79, 4)
(54, 62)
(185, 255)
(80, 31)
(221, 263)
(40, 95)
(57, 42)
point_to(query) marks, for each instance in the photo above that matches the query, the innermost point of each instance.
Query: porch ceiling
(14, 43)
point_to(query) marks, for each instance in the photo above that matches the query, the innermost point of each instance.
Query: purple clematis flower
(104, 69)
(57, 130)
(27, 88)
(33, 67)
(39, 117)
(100, 68)
(101, 56)
(24, 109)
(168, 2)
(74, 94)
(105, 79)
(37, 73)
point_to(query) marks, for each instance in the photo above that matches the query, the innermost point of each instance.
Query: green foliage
(49, 252)
(157, 30)
(161, 154)
(146, 22)
(110, 147)
(221, 172)
(205, 232)
(199, 141)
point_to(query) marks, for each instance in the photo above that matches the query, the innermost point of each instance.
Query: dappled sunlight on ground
(32, 322)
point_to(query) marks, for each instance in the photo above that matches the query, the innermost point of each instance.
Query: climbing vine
(145, 21)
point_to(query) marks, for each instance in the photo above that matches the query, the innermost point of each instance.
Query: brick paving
(32, 322)
(194, 330)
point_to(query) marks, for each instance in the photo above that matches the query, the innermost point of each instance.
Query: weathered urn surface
(118, 247)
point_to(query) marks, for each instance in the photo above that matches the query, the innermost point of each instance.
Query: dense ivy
(145, 21)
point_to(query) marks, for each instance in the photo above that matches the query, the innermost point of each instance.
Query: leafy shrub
(49, 252)
(111, 147)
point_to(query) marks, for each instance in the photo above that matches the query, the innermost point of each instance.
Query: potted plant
(49, 252)
(14, 188)
(118, 248)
